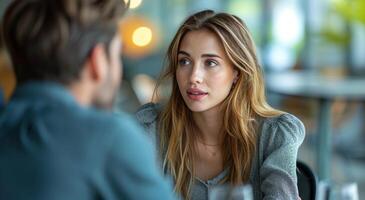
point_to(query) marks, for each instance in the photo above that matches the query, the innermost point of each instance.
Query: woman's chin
(197, 108)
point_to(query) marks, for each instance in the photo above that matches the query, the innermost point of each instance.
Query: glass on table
(346, 191)
(337, 191)
(228, 192)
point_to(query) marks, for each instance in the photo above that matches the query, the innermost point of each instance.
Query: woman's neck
(210, 126)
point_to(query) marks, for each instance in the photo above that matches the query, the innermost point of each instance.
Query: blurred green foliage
(351, 10)
(346, 11)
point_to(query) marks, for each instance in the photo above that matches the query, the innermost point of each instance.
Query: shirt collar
(44, 91)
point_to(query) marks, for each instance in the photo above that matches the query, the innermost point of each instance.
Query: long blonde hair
(241, 109)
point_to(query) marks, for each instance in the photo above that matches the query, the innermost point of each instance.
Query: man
(56, 142)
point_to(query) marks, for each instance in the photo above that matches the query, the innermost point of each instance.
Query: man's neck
(82, 93)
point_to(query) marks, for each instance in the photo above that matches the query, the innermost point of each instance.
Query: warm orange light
(139, 35)
(142, 36)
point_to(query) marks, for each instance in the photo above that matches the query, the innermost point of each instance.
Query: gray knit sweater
(273, 172)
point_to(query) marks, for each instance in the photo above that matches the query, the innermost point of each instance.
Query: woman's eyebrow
(204, 55)
(184, 53)
(211, 55)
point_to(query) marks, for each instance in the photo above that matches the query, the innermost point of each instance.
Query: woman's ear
(235, 74)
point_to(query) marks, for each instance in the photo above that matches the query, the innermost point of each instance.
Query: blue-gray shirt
(273, 172)
(52, 148)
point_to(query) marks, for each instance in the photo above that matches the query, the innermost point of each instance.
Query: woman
(217, 126)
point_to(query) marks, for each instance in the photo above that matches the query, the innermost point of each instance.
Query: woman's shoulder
(148, 113)
(283, 127)
(284, 118)
(275, 168)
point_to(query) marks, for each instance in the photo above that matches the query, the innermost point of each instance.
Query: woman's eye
(184, 62)
(211, 63)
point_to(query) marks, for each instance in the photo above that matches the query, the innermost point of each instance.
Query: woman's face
(204, 73)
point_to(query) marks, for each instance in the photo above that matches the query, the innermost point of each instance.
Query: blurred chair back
(307, 183)
(2, 98)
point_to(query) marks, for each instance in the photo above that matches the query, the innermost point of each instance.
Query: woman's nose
(197, 74)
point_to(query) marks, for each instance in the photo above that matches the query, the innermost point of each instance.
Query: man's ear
(97, 63)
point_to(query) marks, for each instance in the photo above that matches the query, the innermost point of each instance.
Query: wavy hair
(241, 109)
(40, 34)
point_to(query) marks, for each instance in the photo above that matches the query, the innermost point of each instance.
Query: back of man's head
(51, 39)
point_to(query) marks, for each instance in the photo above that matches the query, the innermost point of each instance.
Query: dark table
(325, 89)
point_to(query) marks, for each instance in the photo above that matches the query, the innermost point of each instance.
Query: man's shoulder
(111, 121)
(107, 128)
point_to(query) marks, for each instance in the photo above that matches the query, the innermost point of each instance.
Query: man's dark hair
(51, 39)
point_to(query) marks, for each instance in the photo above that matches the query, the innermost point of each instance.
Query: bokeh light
(142, 36)
(133, 3)
(288, 26)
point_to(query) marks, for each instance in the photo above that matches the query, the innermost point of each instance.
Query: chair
(307, 182)
(2, 101)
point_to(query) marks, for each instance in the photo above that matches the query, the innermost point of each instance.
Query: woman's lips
(196, 94)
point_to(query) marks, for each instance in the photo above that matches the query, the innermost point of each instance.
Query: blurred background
(316, 46)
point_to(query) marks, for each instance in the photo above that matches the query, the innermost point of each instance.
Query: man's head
(67, 41)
